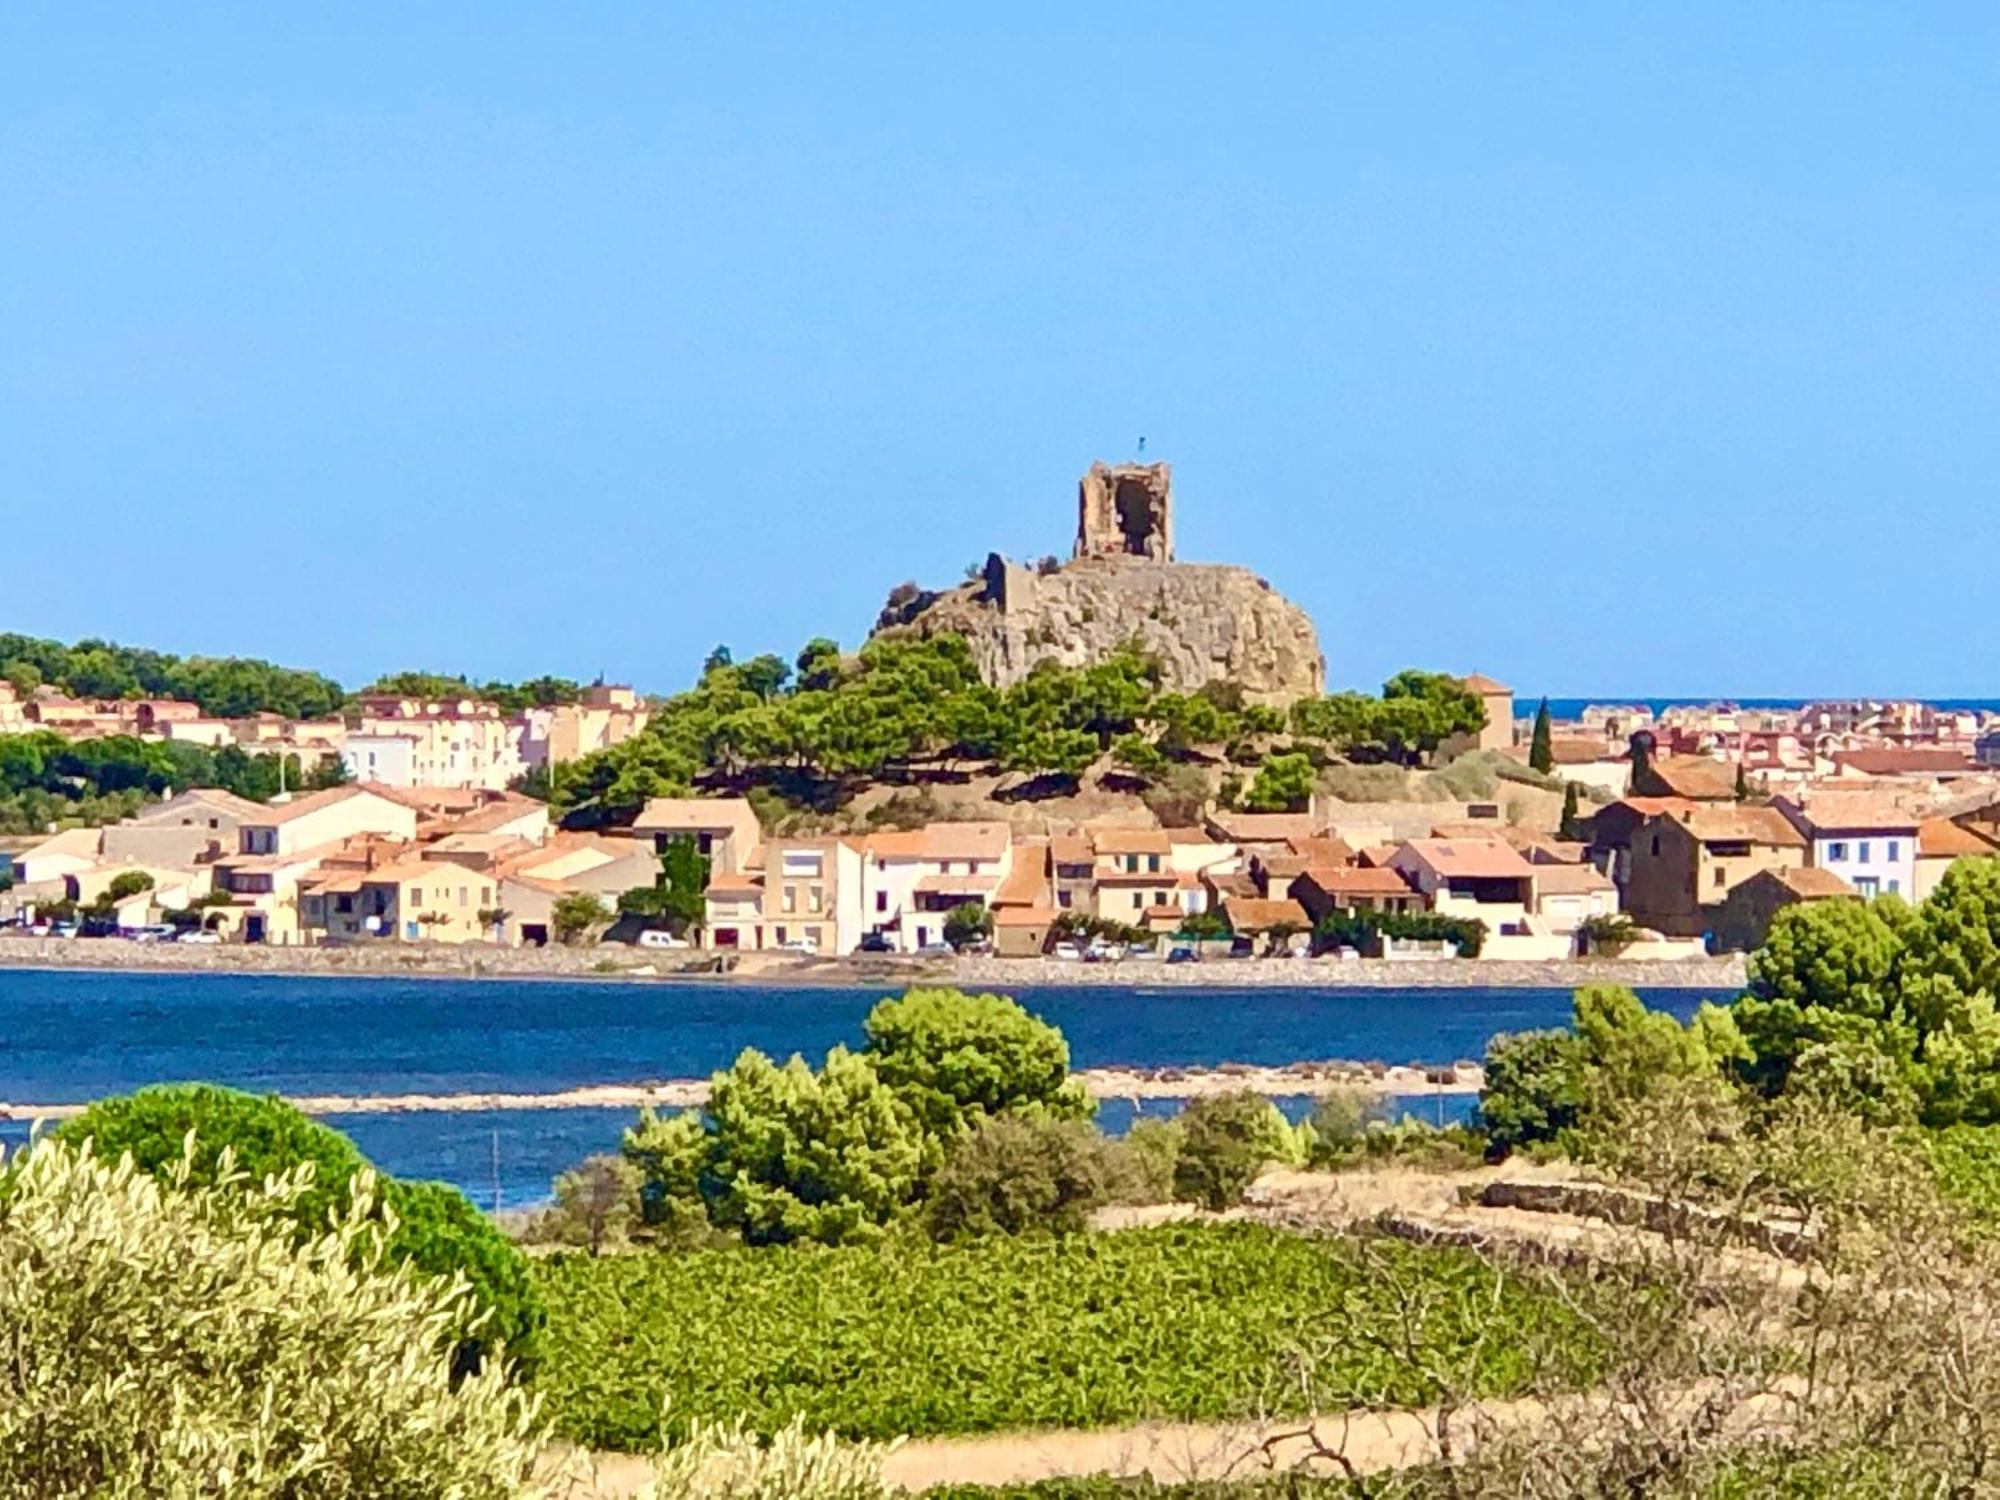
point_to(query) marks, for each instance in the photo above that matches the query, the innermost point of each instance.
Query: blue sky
(1605, 349)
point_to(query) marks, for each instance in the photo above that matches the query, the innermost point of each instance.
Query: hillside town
(1690, 830)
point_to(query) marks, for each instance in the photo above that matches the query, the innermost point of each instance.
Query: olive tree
(164, 1338)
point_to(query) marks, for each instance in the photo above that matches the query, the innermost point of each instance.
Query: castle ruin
(1126, 511)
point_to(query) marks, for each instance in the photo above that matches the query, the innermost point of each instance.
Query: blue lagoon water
(69, 1036)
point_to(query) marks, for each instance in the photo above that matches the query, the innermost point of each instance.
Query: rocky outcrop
(1205, 622)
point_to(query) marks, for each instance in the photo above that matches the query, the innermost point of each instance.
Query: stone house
(1740, 921)
(1686, 861)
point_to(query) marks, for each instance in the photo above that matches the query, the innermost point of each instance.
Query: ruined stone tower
(1126, 510)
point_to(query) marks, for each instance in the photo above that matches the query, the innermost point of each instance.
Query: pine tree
(1568, 829)
(1742, 784)
(1541, 752)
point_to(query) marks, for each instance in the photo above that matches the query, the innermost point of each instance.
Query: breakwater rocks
(485, 961)
(1291, 1080)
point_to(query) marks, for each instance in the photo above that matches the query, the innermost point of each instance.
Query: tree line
(825, 723)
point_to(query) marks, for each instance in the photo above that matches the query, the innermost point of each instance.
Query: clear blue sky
(1606, 349)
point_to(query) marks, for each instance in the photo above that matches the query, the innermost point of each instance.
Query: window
(815, 898)
(462, 895)
(1895, 885)
(343, 903)
(1721, 877)
(1862, 852)
(1152, 864)
(1895, 854)
(1836, 851)
(1867, 885)
(1656, 844)
(1063, 899)
(416, 895)
(881, 901)
(1159, 898)
(791, 901)
(1138, 901)
(1131, 864)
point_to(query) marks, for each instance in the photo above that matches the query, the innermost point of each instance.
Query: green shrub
(950, 1055)
(1140, 1165)
(1018, 1175)
(830, 1156)
(671, 1156)
(179, 1335)
(1226, 1140)
(438, 1231)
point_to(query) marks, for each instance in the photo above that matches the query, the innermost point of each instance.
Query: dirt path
(1373, 1441)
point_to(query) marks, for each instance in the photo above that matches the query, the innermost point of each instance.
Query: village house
(607, 716)
(1485, 880)
(1743, 918)
(411, 899)
(1686, 861)
(1868, 839)
(1132, 869)
(1072, 867)
(1569, 895)
(725, 829)
(1322, 890)
(809, 899)
(1941, 844)
(1612, 829)
(1269, 926)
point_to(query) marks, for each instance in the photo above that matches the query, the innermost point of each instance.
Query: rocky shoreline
(484, 961)
(1292, 1080)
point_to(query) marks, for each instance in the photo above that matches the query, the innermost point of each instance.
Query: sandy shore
(485, 961)
(1294, 1080)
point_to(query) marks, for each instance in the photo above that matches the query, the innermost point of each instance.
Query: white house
(1869, 840)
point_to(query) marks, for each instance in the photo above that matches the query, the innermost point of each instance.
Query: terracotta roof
(1940, 838)
(286, 812)
(1900, 760)
(1108, 841)
(1571, 880)
(1354, 880)
(1027, 881)
(1811, 883)
(1253, 914)
(1853, 812)
(1071, 848)
(1324, 849)
(1479, 682)
(1697, 777)
(427, 799)
(1237, 886)
(508, 808)
(1471, 859)
(1581, 752)
(1742, 823)
(1190, 836)
(966, 840)
(900, 843)
(1262, 828)
(732, 883)
(691, 814)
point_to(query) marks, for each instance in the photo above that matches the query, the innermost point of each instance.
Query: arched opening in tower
(1133, 500)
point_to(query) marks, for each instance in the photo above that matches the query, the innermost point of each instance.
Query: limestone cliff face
(1206, 622)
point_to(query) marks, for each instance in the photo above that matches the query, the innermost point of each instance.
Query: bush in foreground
(439, 1233)
(180, 1338)
(1019, 1175)
(1225, 1141)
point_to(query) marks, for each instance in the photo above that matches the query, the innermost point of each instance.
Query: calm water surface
(67, 1036)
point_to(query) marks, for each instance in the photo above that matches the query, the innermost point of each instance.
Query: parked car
(937, 950)
(796, 945)
(875, 942)
(659, 937)
(1068, 952)
(1141, 950)
(198, 935)
(1182, 955)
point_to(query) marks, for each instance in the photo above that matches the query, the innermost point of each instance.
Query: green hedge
(1187, 1322)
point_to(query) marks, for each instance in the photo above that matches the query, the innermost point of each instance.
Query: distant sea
(1572, 708)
